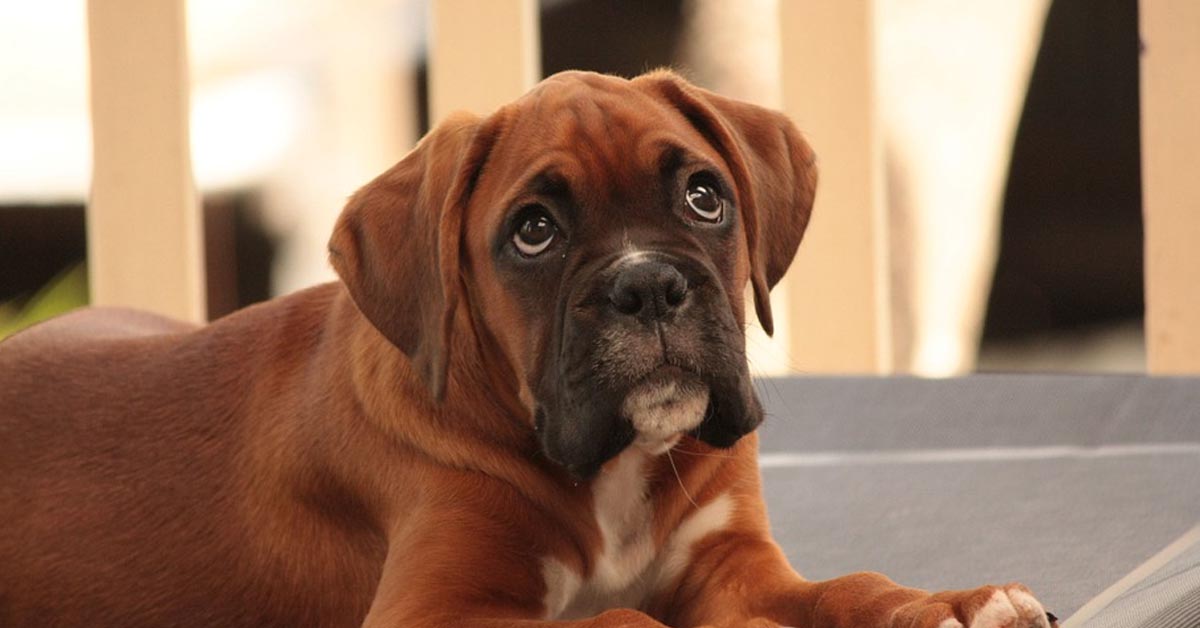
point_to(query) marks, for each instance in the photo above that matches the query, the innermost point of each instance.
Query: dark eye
(704, 200)
(534, 233)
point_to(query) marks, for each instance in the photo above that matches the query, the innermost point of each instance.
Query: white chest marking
(629, 567)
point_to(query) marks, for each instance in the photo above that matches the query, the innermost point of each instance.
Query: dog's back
(120, 433)
(84, 465)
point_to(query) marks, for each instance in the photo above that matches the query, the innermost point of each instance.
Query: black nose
(650, 289)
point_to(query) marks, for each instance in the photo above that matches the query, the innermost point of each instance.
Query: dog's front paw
(1008, 606)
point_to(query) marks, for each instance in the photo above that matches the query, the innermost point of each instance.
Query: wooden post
(143, 220)
(839, 315)
(482, 54)
(1170, 97)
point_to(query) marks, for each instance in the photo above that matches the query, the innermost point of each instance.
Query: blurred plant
(66, 291)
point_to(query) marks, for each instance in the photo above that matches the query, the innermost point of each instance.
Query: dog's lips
(664, 405)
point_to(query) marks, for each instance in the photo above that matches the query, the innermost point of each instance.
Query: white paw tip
(950, 622)
(998, 612)
(1025, 603)
(1028, 607)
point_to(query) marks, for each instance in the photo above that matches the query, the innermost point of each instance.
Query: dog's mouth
(616, 382)
(664, 405)
(652, 414)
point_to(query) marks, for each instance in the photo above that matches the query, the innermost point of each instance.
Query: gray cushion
(1065, 483)
(1164, 592)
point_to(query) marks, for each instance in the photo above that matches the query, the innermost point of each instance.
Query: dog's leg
(616, 618)
(744, 581)
(459, 566)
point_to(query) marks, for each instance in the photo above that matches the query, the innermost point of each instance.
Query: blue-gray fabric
(1167, 598)
(1065, 483)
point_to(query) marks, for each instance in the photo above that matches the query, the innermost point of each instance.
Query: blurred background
(996, 145)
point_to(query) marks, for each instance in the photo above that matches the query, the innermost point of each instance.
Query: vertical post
(482, 54)
(364, 123)
(144, 227)
(1170, 97)
(839, 315)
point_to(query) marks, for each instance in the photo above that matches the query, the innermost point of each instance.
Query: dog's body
(526, 405)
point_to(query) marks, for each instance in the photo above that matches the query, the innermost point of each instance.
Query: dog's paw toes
(1010, 606)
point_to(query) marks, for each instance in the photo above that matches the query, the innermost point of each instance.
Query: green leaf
(66, 291)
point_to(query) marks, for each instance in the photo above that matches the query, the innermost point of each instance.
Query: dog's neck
(387, 386)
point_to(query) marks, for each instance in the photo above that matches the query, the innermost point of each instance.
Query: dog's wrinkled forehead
(597, 135)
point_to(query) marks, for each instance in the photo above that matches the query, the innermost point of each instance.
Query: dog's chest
(630, 567)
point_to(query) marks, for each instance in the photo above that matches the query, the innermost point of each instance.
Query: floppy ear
(773, 168)
(396, 244)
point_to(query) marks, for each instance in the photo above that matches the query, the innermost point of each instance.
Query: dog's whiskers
(680, 480)
(698, 453)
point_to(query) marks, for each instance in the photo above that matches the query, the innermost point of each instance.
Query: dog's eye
(535, 233)
(704, 200)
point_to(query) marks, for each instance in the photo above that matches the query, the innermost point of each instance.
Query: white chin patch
(662, 411)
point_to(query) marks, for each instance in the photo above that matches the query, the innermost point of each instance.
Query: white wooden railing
(143, 218)
(1170, 189)
(484, 53)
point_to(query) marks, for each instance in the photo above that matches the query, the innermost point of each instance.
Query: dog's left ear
(774, 170)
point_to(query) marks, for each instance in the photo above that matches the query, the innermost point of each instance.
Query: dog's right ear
(396, 244)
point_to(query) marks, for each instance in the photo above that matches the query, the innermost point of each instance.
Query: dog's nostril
(676, 289)
(626, 299)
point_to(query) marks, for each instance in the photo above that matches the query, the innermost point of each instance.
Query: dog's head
(600, 233)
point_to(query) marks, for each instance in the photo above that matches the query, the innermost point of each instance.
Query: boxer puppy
(525, 404)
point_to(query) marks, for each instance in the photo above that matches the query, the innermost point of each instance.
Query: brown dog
(527, 403)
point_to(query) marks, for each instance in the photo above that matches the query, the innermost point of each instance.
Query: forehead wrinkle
(553, 169)
(660, 153)
(602, 117)
(611, 134)
(631, 160)
(589, 135)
